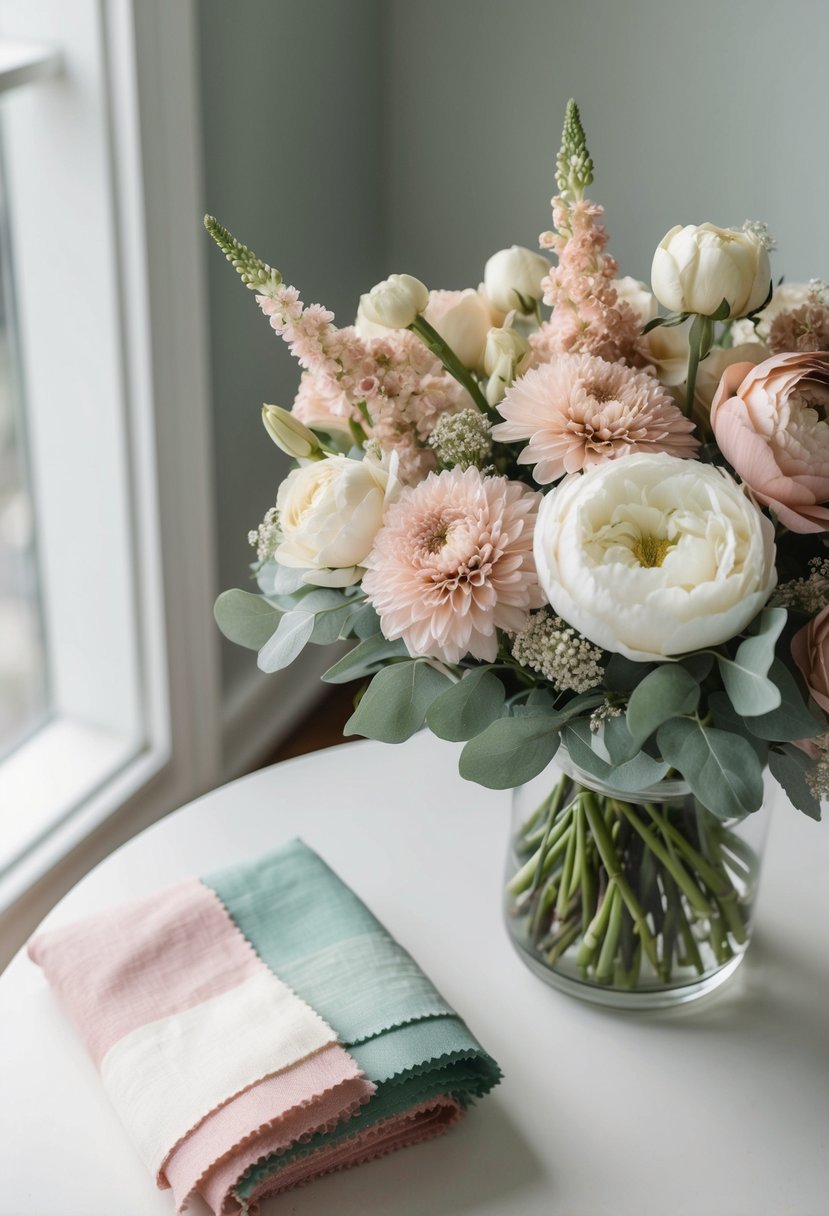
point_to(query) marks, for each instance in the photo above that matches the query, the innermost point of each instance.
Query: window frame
(131, 638)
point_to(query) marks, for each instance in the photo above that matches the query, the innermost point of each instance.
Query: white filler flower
(652, 555)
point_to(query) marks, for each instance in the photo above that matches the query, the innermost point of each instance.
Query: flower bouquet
(557, 523)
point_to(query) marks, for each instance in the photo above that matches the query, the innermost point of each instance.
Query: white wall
(712, 110)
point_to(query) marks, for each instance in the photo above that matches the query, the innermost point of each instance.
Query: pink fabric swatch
(145, 960)
(268, 1117)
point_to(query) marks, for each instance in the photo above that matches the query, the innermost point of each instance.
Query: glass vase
(637, 900)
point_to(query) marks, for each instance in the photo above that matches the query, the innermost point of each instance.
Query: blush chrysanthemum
(579, 410)
(453, 563)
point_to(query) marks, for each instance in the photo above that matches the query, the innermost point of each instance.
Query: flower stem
(431, 338)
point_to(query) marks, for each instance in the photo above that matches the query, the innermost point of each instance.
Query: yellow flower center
(650, 550)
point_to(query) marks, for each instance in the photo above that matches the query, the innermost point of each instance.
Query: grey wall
(344, 139)
(714, 110)
(293, 167)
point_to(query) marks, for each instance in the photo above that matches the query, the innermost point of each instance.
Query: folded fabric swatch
(259, 1027)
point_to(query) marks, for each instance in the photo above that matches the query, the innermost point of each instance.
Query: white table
(717, 1109)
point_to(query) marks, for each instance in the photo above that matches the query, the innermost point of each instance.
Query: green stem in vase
(587, 874)
(607, 954)
(596, 929)
(680, 876)
(564, 896)
(609, 857)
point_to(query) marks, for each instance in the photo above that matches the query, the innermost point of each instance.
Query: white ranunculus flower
(696, 267)
(636, 294)
(512, 278)
(329, 515)
(463, 319)
(652, 556)
(395, 302)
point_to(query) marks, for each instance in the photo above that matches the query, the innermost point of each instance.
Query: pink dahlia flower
(770, 422)
(579, 410)
(453, 563)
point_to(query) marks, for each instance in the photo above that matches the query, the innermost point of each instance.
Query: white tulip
(512, 278)
(506, 356)
(462, 318)
(650, 556)
(329, 515)
(395, 302)
(290, 434)
(695, 268)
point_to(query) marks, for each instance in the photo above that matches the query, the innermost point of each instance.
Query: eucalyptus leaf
(364, 621)
(792, 720)
(722, 769)
(751, 694)
(669, 691)
(293, 631)
(637, 773)
(468, 707)
(789, 768)
(623, 675)
(725, 717)
(620, 744)
(757, 651)
(329, 624)
(395, 702)
(366, 658)
(698, 665)
(509, 752)
(275, 580)
(246, 618)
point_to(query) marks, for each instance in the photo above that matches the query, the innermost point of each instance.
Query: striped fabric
(258, 1027)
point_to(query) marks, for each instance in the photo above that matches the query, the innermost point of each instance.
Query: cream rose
(329, 515)
(695, 268)
(652, 556)
(463, 320)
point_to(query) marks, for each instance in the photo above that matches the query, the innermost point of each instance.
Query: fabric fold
(259, 1027)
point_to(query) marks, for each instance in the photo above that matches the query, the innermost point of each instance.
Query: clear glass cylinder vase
(633, 899)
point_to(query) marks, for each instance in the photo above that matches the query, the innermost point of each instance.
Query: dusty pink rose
(453, 563)
(770, 422)
(810, 650)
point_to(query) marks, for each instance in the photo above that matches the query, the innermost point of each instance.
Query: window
(103, 191)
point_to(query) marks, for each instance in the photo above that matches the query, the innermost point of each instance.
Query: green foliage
(468, 707)
(789, 766)
(669, 691)
(288, 641)
(792, 720)
(721, 768)
(637, 773)
(746, 676)
(365, 659)
(395, 703)
(510, 751)
(725, 717)
(623, 675)
(245, 618)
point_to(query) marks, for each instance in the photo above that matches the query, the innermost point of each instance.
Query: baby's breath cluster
(761, 234)
(553, 648)
(462, 440)
(267, 536)
(806, 594)
(817, 777)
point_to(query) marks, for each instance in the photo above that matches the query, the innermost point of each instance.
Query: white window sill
(54, 789)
